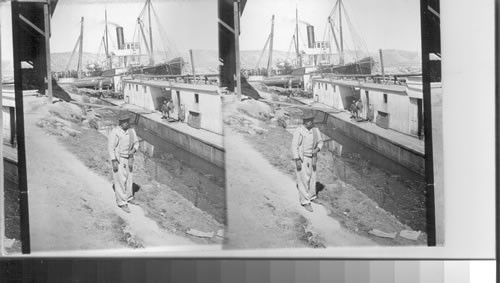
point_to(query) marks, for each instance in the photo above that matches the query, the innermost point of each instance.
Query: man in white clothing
(122, 145)
(306, 143)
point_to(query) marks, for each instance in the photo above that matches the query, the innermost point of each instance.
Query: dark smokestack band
(310, 36)
(119, 37)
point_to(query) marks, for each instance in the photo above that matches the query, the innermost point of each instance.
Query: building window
(326, 87)
(136, 87)
(196, 98)
(129, 87)
(334, 88)
(385, 97)
(145, 88)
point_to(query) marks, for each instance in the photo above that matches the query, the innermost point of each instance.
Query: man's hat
(123, 116)
(307, 115)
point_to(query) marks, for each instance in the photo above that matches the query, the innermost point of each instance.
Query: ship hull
(93, 82)
(361, 67)
(173, 67)
(283, 81)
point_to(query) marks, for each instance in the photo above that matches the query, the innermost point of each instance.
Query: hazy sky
(192, 24)
(185, 24)
(385, 24)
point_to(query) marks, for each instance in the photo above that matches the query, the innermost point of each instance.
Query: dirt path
(263, 206)
(255, 129)
(72, 208)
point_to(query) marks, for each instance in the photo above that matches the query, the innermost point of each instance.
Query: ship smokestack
(119, 37)
(310, 36)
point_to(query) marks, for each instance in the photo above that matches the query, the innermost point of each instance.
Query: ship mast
(151, 57)
(106, 46)
(80, 53)
(299, 60)
(270, 61)
(139, 22)
(331, 21)
(334, 35)
(341, 36)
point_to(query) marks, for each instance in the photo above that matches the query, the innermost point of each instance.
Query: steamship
(319, 58)
(127, 59)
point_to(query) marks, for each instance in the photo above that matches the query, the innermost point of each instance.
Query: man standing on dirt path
(122, 145)
(306, 143)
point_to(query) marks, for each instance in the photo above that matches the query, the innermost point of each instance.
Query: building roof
(398, 89)
(198, 88)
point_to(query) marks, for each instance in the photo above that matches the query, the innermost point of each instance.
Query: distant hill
(249, 58)
(59, 61)
(395, 61)
(399, 61)
(206, 61)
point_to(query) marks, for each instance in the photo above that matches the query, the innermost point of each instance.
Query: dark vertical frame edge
(426, 36)
(497, 133)
(21, 149)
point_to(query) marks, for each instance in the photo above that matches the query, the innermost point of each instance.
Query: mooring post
(236, 6)
(47, 49)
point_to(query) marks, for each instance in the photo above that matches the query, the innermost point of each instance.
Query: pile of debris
(67, 111)
(57, 127)
(249, 114)
(244, 125)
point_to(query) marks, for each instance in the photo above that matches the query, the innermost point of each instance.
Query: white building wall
(6, 124)
(188, 99)
(403, 111)
(413, 116)
(144, 96)
(398, 107)
(339, 99)
(209, 106)
(211, 113)
(328, 94)
(333, 95)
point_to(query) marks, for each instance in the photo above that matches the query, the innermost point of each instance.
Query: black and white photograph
(331, 136)
(112, 120)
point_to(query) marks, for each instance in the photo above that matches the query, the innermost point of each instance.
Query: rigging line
(358, 44)
(354, 34)
(135, 32)
(289, 50)
(354, 47)
(98, 51)
(163, 46)
(325, 32)
(137, 38)
(155, 43)
(263, 51)
(332, 13)
(143, 9)
(170, 45)
(304, 46)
